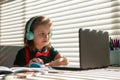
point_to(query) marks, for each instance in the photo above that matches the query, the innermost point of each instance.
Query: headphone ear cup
(29, 36)
(51, 34)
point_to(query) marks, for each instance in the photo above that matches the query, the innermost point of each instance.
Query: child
(37, 46)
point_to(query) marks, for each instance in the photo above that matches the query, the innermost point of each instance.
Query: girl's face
(42, 36)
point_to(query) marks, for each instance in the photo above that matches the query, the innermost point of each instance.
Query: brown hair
(39, 20)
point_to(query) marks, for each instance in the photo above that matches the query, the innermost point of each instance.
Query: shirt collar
(42, 50)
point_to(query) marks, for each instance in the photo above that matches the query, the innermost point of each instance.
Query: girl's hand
(36, 60)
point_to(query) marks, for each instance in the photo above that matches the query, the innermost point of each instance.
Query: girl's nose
(46, 36)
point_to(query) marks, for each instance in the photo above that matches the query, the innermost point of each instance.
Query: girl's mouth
(44, 41)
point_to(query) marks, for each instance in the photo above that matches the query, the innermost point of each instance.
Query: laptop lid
(93, 50)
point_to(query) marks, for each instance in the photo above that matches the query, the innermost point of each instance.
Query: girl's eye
(48, 33)
(41, 34)
(44, 35)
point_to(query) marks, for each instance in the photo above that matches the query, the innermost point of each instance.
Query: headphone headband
(30, 23)
(29, 34)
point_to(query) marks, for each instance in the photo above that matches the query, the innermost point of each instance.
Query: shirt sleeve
(53, 53)
(20, 58)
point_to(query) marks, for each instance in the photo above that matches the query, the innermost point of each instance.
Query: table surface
(110, 73)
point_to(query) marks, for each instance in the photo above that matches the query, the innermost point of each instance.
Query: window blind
(11, 19)
(67, 17)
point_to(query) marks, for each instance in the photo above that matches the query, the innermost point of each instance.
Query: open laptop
(93, 50)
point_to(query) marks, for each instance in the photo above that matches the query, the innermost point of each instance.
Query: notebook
(93, 50)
